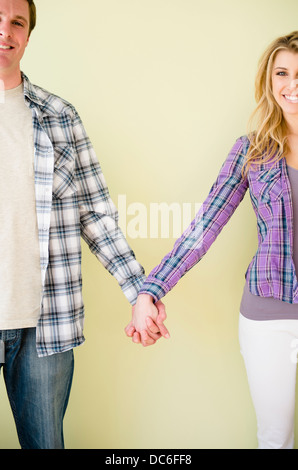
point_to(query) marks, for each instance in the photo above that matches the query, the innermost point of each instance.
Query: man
(52, 191)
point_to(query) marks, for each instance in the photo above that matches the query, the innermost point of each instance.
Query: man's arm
(99, 218)
(224, 197)
(100, 229)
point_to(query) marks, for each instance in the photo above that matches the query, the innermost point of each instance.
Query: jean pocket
(9, 336)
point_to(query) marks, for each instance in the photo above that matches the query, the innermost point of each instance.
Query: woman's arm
(224, 197)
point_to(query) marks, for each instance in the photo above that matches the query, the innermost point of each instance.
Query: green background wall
(164, 88)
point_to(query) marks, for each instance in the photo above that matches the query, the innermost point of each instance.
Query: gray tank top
(263, 308)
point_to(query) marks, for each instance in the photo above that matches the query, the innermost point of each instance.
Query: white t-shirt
(20, 275)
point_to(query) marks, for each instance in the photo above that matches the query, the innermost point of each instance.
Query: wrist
(145, 299)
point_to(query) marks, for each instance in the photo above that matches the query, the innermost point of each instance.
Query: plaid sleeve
(99, 218)
(224, 197)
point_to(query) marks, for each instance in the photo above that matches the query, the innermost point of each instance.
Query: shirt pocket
(64, 172)
(267, 185)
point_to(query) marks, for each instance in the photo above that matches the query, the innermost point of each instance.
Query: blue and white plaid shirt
(72, 200)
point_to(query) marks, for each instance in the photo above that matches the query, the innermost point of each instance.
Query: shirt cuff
(154, 287)
(132, 287)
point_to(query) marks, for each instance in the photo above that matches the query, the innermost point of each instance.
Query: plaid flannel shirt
(72, 200)
(271, 272)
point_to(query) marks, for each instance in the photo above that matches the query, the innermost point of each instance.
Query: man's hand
(147, 324)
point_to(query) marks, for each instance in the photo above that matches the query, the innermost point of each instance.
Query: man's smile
(5, 47)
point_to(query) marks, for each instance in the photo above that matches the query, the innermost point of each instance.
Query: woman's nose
(294, 84)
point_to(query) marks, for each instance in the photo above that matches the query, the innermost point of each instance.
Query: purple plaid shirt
(271, 272)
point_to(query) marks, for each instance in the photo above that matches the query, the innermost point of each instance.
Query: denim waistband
(8, 335)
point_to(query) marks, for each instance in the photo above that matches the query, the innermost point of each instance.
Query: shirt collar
(29, 91)
(37, 97)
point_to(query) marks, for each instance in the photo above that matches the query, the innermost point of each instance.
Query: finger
(129, 330)
(152, 327)
(154, 330)
(161, 317)
(154, 336)
(146, 340)
(163, 329)
(161, 310)
(136, 337)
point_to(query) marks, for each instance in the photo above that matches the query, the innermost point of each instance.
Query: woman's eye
(281, 74)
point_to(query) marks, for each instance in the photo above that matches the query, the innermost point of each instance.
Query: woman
(266, 163)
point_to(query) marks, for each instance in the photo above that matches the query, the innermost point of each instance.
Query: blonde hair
(269, 140)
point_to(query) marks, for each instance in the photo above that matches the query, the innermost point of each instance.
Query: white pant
(269, 349)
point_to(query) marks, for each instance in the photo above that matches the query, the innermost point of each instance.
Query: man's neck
(7, 82)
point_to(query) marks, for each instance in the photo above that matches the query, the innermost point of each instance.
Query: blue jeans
(38, 389)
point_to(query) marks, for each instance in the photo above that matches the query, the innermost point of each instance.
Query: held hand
(147, 324)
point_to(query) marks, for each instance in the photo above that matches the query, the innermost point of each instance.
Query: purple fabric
(271, 272)
(262, 308)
